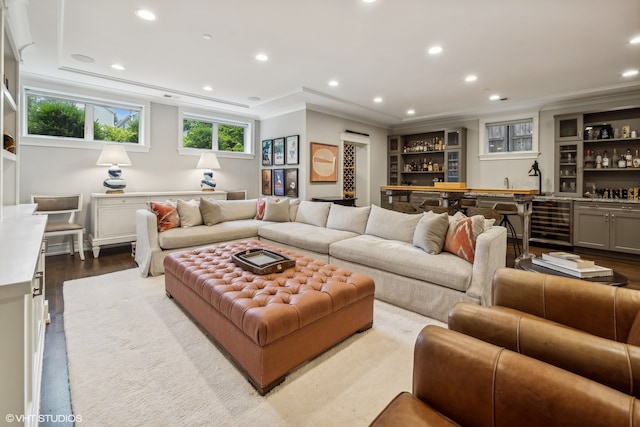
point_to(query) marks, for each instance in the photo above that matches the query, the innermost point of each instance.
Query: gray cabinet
(568, 127)
(607, 226)
(568, 169)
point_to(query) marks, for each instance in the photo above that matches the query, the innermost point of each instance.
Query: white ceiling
(535, 53)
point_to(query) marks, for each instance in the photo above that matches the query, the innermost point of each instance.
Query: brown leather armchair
(590, 329)
(460, 380)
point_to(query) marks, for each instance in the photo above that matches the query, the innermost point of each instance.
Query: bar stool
(465, 204)
(505, 210)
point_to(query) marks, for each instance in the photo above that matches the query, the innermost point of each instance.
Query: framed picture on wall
(291, 182)
(324, 162)
(266, 182)
(267, 152)
(292, 149)
(278, 182)
(278, 151)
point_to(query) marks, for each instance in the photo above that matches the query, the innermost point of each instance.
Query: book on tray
(567, 259)
(586, 271)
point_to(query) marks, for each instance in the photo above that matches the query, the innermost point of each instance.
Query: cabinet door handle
(613, 218)
(39, 279)
(606, 217)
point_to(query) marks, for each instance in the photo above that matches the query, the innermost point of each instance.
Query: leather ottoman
(269, 324)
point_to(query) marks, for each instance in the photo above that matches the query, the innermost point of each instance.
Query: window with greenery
(510, 136)
(52, 115)
(212, 134)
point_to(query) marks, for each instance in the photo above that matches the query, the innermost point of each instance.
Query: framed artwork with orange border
(266, 182)
(324, 162)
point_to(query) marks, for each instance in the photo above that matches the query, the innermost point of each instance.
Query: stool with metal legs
(505, 210)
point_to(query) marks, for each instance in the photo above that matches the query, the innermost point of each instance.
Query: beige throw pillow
(313, 213)
(189, 212)
(277, 211)
(431, 232)
(348, 218)
(211, 211)
(392, 225)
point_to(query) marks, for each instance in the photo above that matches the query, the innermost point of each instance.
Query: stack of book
(572, 264)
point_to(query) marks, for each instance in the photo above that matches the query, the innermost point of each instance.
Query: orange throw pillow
(461, 241)
(167, 215)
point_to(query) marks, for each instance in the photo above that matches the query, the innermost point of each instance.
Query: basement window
(59, 117)
(509, 138)
(223, 135)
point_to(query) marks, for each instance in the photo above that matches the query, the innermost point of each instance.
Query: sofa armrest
(611, 363)
(604, 311)
(472, 382)
(146, 239)
(491, 254)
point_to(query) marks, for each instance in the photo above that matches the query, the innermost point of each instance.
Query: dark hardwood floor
(55, 399)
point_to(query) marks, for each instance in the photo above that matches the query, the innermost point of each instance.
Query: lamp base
(208, 189)
(114, 192)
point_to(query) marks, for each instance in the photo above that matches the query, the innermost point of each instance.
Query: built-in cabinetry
(9, 106)
(113, 216)
(23, 313)
(424, 158)
(601, 158)
(604, 225)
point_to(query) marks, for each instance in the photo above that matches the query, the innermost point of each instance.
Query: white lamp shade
(113, 155)
(208, 161)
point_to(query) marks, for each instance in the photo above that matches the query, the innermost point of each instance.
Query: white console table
(113, 216)
(23, 313)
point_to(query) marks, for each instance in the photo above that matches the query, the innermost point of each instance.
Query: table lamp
(208, 161)
(114, 156)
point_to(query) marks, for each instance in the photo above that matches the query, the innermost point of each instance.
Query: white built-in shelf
(6, 155)
(8, 99)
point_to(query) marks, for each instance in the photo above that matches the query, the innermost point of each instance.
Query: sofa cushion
(189, 212)
(404, 259)
(211, 211)
(237, 209)
(304, 236)
(166, 214)
(205, 235)
(462, 235)
(348, 218)
(431, 232)
(277, 210)
(392, 225)
(313, 213)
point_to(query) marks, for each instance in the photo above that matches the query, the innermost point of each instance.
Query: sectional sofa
(424, 262)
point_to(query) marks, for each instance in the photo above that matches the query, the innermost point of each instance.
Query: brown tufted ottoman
(273, 323)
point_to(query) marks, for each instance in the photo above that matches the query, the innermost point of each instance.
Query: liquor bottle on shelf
(605, 160)
(629, 158)
(598, 161)
(614, 158)
(424, 164)
(589, 162)
(622, 162)
(636, 160)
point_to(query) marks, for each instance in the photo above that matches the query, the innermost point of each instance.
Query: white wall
(326, 129)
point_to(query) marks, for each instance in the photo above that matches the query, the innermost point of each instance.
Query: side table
(616, 280)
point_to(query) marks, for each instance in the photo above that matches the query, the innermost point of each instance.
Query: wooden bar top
(519, 191)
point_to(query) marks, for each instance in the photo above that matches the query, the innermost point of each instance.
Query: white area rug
(135, 358)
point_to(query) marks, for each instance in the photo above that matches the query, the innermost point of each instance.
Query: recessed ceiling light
(630, 73)
(494, 97)
(83, 58)
(368, 1)
(117, 67)
(377, 99)
(147, 15)
(635, 40)
(411, 112)
(262, 57)
(471, 78)
(207, 36)
(207, 88)
(434, 50)
(333, 83)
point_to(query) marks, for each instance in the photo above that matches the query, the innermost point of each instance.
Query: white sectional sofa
(380, 243)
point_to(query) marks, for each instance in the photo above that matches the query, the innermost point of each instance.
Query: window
(53, 115)
(205, 133)
(510, 138)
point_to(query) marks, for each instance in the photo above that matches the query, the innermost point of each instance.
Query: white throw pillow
(211, 211)
(238, 209)
(348, 218)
